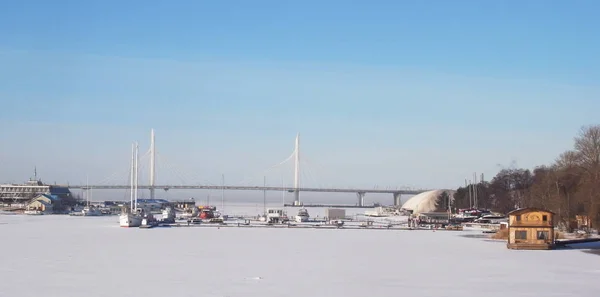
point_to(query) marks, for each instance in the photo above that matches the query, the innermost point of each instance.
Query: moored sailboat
(131, 217)
(90, 210)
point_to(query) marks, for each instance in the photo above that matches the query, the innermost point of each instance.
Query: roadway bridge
(296, 188)
(360, 193)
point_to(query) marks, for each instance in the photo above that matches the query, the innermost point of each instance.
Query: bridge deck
(252, 188)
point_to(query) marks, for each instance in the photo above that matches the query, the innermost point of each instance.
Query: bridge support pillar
(361, 198)
(296, 197)
(397, 199)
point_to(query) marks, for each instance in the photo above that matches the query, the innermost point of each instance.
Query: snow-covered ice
(92, 256)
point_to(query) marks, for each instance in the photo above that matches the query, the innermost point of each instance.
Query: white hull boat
(168, 215)
(302, 215)
(33, 212)
(480, 227)
(132, 216)
(148, 220)
(276, 216)
(130, 220)
(91, 212)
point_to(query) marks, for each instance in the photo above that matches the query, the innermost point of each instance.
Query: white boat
(168, 215)
(190, 213)
(34, 212)
(491, 219)
(148, 220)
(471, 226)
(128, 219)
(302, 215)
(132, 217)
(276, 216)
(377, 212)
(91, 211)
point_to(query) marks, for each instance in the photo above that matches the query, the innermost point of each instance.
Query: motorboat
(189, 213)
(276, 216)
(168, 215)
(491, 219)
(302, 215)
(207, 213)
(148, 220)
(90, 211)
(377, 212)
(34, 212)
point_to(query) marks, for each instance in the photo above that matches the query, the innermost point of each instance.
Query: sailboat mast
(222, 192)
(475, 190)
(265, 195)
(87, 189)
(132, 176)
(470, 196)
(136, 176)
(282, 192)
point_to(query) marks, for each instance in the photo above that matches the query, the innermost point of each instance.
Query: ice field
(55, 255)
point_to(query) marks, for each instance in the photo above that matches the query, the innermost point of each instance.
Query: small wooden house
(530, 229)
(44, 203)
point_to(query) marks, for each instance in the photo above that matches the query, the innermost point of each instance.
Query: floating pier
(330, 205)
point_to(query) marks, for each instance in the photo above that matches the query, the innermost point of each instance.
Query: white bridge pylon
(296, 155)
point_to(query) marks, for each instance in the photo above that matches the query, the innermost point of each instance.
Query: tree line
(570, 186)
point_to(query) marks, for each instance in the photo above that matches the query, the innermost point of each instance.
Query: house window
(518, 218)
(545, 218)
(542, 235)
(522, 235)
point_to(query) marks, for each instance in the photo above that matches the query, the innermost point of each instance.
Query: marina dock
(289, 226)
(330, 205)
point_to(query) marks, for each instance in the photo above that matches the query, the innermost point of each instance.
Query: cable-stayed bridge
(153, 155)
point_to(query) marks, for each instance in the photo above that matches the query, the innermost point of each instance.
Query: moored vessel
(302, 215)
(168, 215)
(131, 217)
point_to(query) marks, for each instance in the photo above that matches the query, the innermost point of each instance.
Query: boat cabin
(442, 218)
(530, 229)
(276, 216)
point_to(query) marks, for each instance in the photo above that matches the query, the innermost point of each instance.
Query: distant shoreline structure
(332, 205)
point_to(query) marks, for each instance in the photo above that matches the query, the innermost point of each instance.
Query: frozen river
(92, 256)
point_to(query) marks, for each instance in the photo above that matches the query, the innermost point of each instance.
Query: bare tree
(587, 144)
(568, 159)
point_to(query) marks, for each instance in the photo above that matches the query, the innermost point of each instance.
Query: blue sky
(386, 93)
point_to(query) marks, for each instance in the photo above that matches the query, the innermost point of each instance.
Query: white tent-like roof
(425, 202)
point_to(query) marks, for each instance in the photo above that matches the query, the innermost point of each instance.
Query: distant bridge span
(359, 192)
(253, 188)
